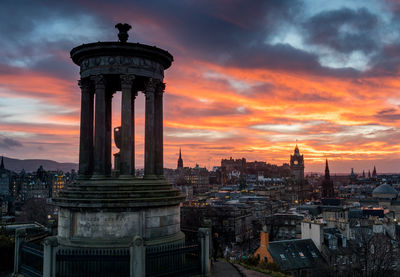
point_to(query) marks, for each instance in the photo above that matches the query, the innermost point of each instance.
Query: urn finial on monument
(123, 31)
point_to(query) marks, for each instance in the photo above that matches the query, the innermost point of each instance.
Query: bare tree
(35, 210)
(375, 254)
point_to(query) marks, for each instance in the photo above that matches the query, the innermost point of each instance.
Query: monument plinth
(109, 210)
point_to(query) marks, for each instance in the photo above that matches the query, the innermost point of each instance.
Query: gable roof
(296, 254)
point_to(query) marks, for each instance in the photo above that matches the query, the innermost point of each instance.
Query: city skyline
(249, 80)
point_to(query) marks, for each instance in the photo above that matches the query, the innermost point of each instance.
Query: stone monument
(105, 209)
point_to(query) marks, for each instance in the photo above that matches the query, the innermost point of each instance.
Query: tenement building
(4, 179)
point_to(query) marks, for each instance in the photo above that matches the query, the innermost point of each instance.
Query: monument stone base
(110, 212)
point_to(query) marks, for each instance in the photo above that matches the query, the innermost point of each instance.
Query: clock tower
(297, 165)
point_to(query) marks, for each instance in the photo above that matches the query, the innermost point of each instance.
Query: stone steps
(118, 188)
(118, 194)
(117, 184)
(118, 203)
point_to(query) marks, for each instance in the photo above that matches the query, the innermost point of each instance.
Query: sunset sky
(249, 78)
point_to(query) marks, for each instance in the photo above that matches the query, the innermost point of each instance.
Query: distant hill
(31, 165)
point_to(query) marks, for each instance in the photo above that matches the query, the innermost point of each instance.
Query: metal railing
(92, 262)
(173, 260)
(180, 259)
(31, 259)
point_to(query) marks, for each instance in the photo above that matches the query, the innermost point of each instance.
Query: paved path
(222, 268)
(251, 273)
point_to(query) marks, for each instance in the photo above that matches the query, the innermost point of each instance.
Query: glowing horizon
(249, 80)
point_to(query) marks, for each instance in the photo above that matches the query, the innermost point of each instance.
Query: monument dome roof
(384, 189)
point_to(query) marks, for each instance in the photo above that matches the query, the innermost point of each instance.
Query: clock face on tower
(295, 162)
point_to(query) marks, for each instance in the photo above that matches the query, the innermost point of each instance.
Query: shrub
(253, 261)
(6, 252)
(269, 266)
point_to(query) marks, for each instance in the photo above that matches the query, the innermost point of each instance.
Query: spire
(2, 162)
(363, 174)
(374, 172)
(327, 175)
(180, 161)
(296, 151)
(352, 175)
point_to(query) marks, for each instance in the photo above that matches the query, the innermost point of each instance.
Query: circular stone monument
(106, 208)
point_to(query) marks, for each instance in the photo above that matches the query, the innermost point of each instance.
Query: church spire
(327, 175)
(327, 184)
(374, 172)
(2, 162)
(180, 161)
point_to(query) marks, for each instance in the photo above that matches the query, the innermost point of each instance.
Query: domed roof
(384, 189)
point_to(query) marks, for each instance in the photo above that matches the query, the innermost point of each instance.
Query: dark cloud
(218, 25)
(55, 66)
(344, 30)
(234, 34)
(230, 33)
(178, 107)
(7, 143)
(262, 89)
(316, 97)
(284, 57)
(388, 115)
(218, 36)
(386, 62)
(35, 35)
(217, 147)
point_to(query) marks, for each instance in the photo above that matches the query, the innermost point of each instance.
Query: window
(283, 257)
(314, 254)
(302, 255)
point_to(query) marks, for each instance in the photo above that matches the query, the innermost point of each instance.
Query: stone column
(108, 132)
(100, 126)
(205, 243)
(158, 130)
(19, 238)
(137, 257)
(49, 256)
(127, 164)
(149, 144)
(86, 134)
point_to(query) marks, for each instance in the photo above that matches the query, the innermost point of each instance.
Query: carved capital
(85, 85)
(160, 88)
(99, 81)
(150, 88)
(151, 85)
(127, 81)
(52, 241)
